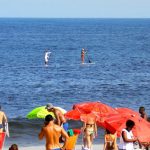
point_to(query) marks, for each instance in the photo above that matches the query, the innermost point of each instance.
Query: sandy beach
(78, 147)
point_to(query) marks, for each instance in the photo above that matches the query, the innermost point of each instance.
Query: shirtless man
(3, 120)
(52, 133)
(59, 116)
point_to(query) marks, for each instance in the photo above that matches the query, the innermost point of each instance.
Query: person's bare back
(52, 133)
(59, 116)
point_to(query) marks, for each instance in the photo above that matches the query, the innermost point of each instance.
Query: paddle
(88, 57)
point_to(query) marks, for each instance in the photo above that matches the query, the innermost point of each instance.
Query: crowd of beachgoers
(59, 137)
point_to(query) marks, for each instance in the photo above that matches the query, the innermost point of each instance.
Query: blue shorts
(56, 149)
(65, 126)
(1, 126)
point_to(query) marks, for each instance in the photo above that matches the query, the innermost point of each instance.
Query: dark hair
(107, 131)
(141, 109)
(49, 118)
(14, 147)
(130, 123)
(148, 119)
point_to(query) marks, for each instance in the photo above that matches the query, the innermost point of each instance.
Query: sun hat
(49, 106)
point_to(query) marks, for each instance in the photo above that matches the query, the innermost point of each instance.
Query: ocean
(118, 76)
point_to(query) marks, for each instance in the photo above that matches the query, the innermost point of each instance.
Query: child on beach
(110, 141)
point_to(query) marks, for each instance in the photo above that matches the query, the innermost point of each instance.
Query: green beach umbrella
(39, 112)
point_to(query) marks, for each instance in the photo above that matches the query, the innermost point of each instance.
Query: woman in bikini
(110, 141)
(82, 55)
(90, 131)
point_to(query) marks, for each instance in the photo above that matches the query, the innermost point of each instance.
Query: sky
(75, 8)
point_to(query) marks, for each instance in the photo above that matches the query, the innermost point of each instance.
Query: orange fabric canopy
(117, 122)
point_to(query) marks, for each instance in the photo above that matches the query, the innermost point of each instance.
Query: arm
(95, 129)
(65, 135)
(104, 143)
(41, 134)
(83, 127)
(115, 142)
(145, 117)
(57, 118)
(4, 118)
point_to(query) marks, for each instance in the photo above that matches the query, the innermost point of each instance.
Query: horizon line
(74, 18)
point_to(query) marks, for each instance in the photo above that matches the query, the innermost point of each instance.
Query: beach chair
(70, 145)
(2, 139)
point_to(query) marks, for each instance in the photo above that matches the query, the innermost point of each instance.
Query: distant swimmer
(47, 57)
(82, 55)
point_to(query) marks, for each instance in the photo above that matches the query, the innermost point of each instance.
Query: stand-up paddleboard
(46, 65)
(92, 63)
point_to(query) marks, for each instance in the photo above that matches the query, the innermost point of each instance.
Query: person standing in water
(82, 55)
(46, 57)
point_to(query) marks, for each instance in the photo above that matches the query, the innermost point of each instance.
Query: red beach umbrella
(97, 109)
(117, 122)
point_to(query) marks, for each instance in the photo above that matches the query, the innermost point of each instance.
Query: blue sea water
(119, 76)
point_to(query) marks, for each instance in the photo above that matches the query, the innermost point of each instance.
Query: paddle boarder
(47, 56)
(82, 55)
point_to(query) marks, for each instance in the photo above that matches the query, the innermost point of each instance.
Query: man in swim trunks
(52, 133)
(3, 120)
